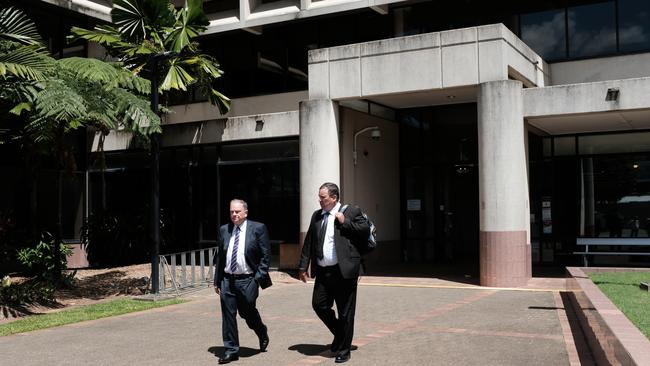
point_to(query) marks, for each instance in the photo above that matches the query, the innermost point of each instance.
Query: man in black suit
(335, 262)
(242, 266)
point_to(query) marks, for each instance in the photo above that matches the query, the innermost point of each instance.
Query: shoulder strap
(343, 208)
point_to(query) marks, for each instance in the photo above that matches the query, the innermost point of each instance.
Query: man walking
(242, 265)
(335, 261)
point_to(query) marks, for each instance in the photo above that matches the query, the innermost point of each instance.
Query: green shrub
(28, 292)
(41, 261)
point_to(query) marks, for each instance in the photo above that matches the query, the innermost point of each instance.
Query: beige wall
(374, 183)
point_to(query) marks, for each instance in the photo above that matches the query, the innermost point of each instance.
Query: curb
(612, 338)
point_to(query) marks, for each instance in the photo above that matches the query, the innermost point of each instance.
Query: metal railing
(175, 268)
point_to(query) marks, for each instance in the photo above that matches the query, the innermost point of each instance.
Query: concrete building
(506, 131)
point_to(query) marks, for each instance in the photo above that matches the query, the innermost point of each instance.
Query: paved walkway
(400, 321)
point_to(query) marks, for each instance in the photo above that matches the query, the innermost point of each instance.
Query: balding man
(242, 267)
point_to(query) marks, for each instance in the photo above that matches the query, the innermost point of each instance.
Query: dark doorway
(440, 186)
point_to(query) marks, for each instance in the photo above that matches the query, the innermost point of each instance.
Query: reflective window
(614, 143)
(615, 196)
(564, 146)
(545, 33)
(634, 25)
(592, 29)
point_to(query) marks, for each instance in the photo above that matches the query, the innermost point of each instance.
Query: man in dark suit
(334, 261)
(242, 266)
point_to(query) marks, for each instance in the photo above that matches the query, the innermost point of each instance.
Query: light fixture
(612, 94)
(375, 134)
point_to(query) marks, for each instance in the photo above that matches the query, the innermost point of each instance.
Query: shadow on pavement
(310, 349)
(244, 352)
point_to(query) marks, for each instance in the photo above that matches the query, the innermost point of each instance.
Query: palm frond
(58, 102)
(90, 69)
(221, 101)
(190, 22)
(16, 26)
(177, 78)
(129, 17)
(105, 35)
(27, 62)
(133, 17)
(136, 114)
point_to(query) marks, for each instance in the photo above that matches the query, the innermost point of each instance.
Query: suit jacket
(257, 252)
(354, 229)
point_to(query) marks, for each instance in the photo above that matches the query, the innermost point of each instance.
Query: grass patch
(624, 291)
(82, 313)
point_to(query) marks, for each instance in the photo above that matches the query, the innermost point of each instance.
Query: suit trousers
(239, 294)
(330, 287)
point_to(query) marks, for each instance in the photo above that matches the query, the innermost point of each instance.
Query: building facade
(482, 136)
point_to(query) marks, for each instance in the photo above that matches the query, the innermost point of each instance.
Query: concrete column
(503, 185)
(319, 154)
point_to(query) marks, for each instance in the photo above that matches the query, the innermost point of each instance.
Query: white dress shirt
(242, 267)
(329, 250)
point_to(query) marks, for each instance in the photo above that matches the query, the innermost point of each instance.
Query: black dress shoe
(264, 342)
(342, 357)
(228, 357)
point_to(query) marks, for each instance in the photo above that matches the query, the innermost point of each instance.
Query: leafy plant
(145, 30)
(25, 293)
(41, 260)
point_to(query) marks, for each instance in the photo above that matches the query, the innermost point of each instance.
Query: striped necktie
(235, 249)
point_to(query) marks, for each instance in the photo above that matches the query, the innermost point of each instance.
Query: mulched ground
(90, 286)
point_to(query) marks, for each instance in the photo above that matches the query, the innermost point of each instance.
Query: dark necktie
(323, 226)
(235, 249)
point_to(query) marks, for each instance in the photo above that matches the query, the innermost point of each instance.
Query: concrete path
(400, 321)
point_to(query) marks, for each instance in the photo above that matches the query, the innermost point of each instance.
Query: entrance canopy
(616, 105)
(423, 66)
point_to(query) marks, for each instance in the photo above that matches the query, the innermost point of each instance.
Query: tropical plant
(43, 100)
(44, 259)
(147, 30)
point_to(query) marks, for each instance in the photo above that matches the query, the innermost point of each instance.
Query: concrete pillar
(503, 185)
(319, 154)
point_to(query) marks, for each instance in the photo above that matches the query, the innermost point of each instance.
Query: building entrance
(440, 186)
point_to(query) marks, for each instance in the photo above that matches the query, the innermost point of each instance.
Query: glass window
(633, 25)
(592, 29)
(614, 143)
(547, 146)
(545, 33)
(615, 199)
(271, 150)
(564, 146)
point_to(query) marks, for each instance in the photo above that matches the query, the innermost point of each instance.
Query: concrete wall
(251, 14)
(285, 124)
(600, 69)
(586, 98)
(251, 106)
(447, 59)
(373, 183)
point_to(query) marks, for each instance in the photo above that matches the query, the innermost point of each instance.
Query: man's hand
(303, 276)
(217, 290)
(339, 216)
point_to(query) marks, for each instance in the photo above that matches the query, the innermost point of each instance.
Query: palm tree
(143, 30)
(156, 40)
(43, 100)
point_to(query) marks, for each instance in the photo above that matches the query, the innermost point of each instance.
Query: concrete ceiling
(428, 98)
(551, 125)
(593, 122)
